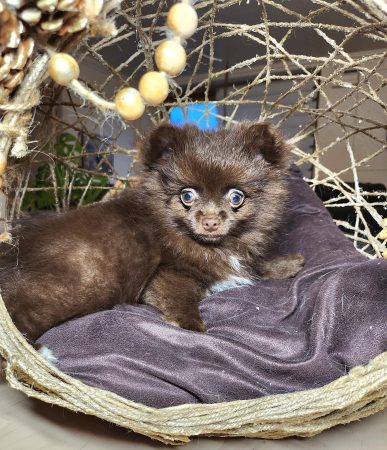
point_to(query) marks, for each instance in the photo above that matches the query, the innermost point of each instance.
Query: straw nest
(364, 390)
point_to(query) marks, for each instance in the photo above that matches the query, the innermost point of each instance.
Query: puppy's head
(212, 185)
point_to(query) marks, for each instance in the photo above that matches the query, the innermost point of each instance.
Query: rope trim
(14, 118)
(359, 394)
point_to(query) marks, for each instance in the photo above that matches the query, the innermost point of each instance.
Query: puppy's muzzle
(210, 223)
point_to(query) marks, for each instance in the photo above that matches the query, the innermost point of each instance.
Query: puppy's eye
(188, 196)
(235, 197)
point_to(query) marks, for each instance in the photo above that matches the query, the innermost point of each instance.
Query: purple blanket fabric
(273, 337)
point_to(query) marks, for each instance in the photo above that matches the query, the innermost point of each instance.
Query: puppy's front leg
(177, 296)
(282, 267)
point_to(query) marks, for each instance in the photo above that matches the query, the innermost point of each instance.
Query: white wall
(337, 157)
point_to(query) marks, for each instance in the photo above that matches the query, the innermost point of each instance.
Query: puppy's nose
(210, 223)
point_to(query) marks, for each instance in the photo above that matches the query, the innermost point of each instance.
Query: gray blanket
(273, 337)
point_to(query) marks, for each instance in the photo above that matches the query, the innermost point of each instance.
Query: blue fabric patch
(200, 114)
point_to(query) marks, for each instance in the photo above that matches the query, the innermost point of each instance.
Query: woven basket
(359, 394)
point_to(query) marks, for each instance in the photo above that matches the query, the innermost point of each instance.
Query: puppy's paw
(189, 324)
(283, 267)
(295, 264)
(196, 325)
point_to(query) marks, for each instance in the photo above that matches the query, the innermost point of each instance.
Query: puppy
(200, 221)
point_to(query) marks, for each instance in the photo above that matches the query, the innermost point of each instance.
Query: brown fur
(147, 246)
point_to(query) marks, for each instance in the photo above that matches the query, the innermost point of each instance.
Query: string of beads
(153, 87)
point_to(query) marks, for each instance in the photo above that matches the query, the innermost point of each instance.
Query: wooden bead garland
(170, 57)
(63, 68)
(383, 235)
(182, 20)
(129, 103)
(153, 88)
(3, 163)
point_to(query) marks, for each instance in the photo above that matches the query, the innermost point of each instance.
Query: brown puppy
(199, 222)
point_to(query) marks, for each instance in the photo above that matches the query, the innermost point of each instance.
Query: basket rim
(360, 393)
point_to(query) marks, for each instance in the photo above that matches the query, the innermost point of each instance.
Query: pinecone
(54, 18)
(15, 52)
(24, 23)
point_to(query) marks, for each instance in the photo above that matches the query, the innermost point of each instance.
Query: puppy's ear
(264, 138)
(161, 141)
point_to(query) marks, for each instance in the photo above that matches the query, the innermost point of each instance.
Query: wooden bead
(182, 20)
(384, 222)
(129, 103)
(384, 254)
(63, 68)
(383, 234)
(153, 87)
(91, 8)
(170, 57)
(5, 236)
(3, 163)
